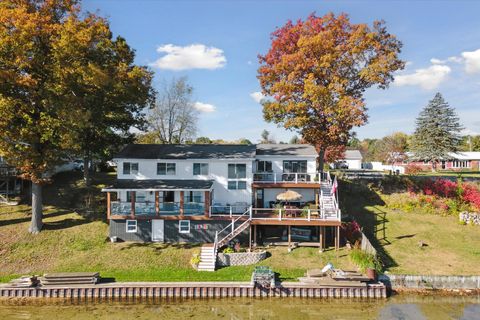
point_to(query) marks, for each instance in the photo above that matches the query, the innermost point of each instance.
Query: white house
(177, 193)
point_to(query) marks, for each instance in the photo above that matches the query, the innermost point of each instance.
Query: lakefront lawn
(415, 242)
(76, 240)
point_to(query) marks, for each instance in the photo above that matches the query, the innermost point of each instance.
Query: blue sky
(216, 43)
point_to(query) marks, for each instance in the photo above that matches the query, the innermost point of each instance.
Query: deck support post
(109, 205)
(250, 238)
(337, 237)
(255, 235)
(182, 203)
(289, 238)
(207, 203)
(157, 203)
(133, 195)
(320, 238)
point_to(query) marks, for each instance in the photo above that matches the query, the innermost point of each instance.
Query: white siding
(354, 164)
(217, 171)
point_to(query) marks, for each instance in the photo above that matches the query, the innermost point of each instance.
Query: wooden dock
(118, 290)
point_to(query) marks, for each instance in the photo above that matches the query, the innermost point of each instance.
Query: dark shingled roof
(160, 184)
(286, 149)
(187, 151)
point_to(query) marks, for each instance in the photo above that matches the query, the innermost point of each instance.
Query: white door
(157, 230)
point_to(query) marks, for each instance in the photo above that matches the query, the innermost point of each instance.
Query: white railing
(294, 177)
(230, 211)
(289, 214)
(231, 228)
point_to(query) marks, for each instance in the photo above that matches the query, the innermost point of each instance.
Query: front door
(157, 230)
(259, 198)
(168, 196)
(443, 164)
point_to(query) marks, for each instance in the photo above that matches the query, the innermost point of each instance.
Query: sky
(216, 44)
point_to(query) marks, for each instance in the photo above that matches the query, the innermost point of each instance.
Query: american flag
(334, 185)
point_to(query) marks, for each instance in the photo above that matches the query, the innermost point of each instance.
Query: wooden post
(132, 201)
(289, 238)
(337, 237)
(182, 203)
(157, 203)
(320, 238)
(250, 238)
(255, 235)
(109, 206)
(207, 203)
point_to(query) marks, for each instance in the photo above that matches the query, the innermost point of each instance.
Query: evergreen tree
(437, 132)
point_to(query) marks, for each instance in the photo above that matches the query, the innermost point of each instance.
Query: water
(397, 307)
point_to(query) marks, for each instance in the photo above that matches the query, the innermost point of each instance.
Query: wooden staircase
(208, 253)
(328, 200)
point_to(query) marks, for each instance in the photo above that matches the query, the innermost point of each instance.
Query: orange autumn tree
(316, 72)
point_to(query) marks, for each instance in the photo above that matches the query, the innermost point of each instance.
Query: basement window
(184, 226)
(131, 226)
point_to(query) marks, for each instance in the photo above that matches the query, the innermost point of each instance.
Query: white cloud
(472, 61)
(204, 107)
(437, 61)
(449, 59)
(194, 56)
(257, 96)
(428, 78)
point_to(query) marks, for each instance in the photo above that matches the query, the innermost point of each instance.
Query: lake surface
(396, 307)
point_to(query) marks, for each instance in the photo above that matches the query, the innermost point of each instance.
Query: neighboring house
(352, 160)
(213, 193)
(465, 160)
(10, 183)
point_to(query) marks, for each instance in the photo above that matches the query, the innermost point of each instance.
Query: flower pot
(371, 273)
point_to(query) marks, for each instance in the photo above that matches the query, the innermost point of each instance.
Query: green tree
(437, 132)
(107, 88)
(392, 148)
(244, 141)
(294, 140)
(203, 140)
(316, 72)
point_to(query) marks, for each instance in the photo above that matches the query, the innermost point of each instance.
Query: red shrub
(471, 194)
(413, 169)
(440, 187)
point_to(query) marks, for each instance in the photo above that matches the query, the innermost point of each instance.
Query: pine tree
(437, 132)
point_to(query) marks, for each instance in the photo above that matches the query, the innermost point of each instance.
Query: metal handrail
(232, 225)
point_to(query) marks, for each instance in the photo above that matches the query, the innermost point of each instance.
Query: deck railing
(122, 208)
(282, 214)
(298, 177)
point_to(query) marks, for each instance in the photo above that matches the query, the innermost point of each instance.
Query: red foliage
(440, 187)
(413, 169)
(471, 194)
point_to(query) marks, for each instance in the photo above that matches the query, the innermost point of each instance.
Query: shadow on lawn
(159, 247)
(361, 203)
(28, 218)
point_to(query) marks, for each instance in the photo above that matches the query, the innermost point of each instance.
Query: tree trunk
(86, 170)
(37, 209)
(321, 160)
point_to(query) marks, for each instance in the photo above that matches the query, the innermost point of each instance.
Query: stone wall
(398, 281)
(240, 259)
(469, 217)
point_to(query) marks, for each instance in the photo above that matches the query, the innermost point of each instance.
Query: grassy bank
(413, 242)
(74, 239)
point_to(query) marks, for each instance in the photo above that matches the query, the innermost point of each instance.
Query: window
(264, 166)
(130, 167)
(290, 166)
(184, 226)
(200, 169)
(140, 196)
(131, 226)
(236, 172)
(164, 169)
(237, 185)
(193, 196)
(461, 164)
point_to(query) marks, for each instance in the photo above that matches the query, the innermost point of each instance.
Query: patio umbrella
(289, 195)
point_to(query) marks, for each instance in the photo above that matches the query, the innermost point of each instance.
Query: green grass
(74, 239)
(450, 248)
